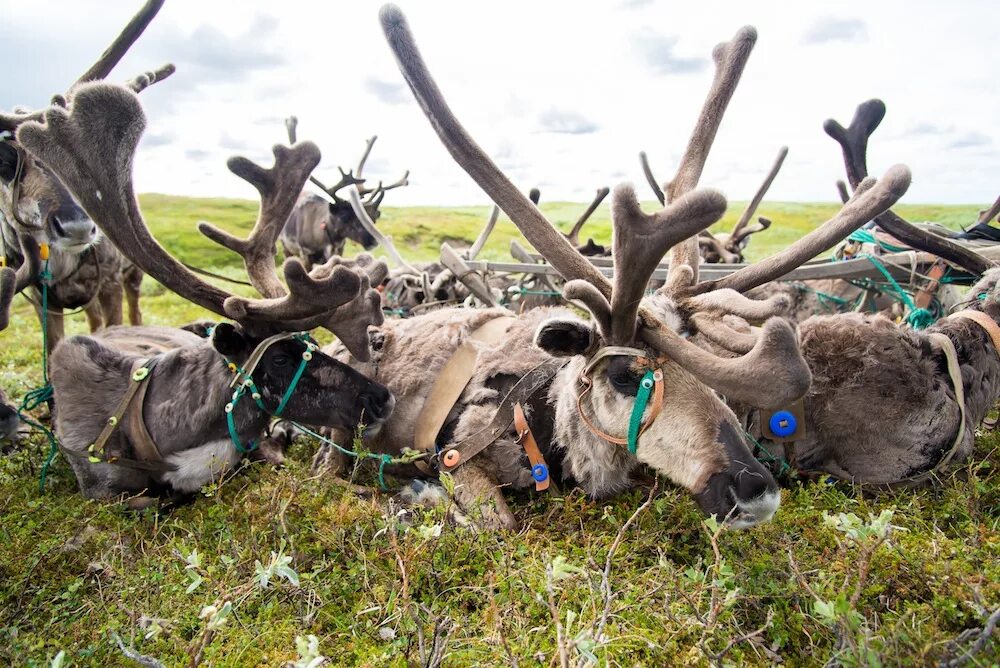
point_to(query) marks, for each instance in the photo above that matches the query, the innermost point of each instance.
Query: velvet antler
(772, 374)
(853, 142)
(90, 146)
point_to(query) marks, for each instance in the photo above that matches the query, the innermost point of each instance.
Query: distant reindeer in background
(37, 211)
(318, 229)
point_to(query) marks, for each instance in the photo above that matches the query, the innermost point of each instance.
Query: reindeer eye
(280, 360)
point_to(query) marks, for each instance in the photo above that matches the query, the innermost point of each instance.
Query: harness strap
(539, 469)
(15, 192)
(984, 321)
(451, 381)
(655, 410)
(149, 458)
(525, 388)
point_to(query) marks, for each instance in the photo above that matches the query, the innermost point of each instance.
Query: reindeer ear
(566, 338)
(228, 339)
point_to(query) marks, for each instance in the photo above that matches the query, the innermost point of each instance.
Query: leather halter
(15, 184)
(984, 321)
(587, 384)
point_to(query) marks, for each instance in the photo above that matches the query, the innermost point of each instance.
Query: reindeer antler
(91, 145)
(102, 68)
(574, 233)
(740, 229)
(853, 142)
(775, 355)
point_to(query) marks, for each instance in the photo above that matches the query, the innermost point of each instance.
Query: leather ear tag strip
(539, 469)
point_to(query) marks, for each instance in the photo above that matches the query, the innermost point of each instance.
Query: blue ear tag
(783, 423)
(540, 472)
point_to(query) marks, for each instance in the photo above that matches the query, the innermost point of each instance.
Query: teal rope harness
(867, 237)
(638, 408)
(244, 382)
(918, 318)
(43, 394)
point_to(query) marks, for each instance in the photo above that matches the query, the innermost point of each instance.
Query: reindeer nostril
(57, 227)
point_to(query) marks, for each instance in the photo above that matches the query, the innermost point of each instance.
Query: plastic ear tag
(43, 251)
(140, 374)
(786, 424)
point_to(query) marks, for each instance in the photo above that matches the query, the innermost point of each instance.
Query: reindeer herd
(572, 378)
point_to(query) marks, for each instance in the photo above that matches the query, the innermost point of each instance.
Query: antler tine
(853, 142)
(346, 179)
(146, 79)
(120, 46)
(574, 234)
(736, 235)
(535, 195)
(364, 156)
(279, 187)
(386, 242)
(842, 190)
(870, 199)
(536, 228)
(641, 240)
(650, 179)
(491, 222)
(730, 59)
(291, 127)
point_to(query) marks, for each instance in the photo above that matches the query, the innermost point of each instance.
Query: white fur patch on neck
(196, 467)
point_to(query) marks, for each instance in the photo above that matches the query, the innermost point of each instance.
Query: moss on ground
(371, 584)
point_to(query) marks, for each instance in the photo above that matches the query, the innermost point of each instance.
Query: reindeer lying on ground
(890, 405)
(187, 426)
(87, 272)
(318, 228)
(583, 378)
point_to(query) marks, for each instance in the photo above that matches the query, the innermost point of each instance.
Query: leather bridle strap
(149, 458)
(15, 184)
(656, 406)
(452, 379)
(984, 321)
(525, 388)
(539, 469)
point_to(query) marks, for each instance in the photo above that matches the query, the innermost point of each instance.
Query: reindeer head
(91, 145)
(345, 221)
(693, 438)
(33, 200)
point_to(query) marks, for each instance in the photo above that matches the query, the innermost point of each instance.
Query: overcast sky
(563, 95)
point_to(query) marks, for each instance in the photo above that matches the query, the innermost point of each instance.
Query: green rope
(765, 456)
(409, 456)
(866, 237)
(544, 293)
(638, 408)
(917, 318)
(42, 395)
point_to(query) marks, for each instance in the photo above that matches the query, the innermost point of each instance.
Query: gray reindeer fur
(881, 407)
(684, 442)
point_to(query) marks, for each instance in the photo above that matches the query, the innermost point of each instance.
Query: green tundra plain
(282, 567)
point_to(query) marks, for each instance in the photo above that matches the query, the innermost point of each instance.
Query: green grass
(370, 585)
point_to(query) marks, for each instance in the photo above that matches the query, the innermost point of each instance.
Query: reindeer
(36, 210)
(582, 377)
(187, 425)
(889, 405)
(319, 226)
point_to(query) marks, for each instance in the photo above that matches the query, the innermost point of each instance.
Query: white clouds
(602, 81)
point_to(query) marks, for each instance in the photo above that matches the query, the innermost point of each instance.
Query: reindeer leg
(480, 499)
(95, 318)
(132, 283)
(328, 459)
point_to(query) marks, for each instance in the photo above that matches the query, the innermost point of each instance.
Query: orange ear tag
(452, 458)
